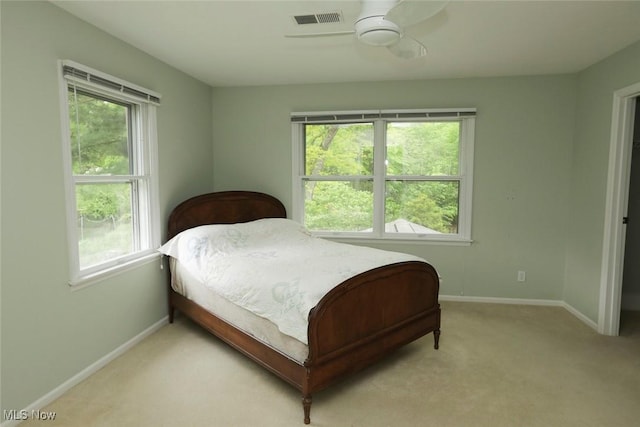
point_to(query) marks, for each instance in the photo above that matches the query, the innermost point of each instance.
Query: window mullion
(351, 178)
(135, 217)
(437, 178)
(105, 179)
(379, 173)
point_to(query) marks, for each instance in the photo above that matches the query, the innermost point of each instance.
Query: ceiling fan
(382, 23)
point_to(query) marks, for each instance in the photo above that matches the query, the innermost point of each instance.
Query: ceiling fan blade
(408, 48)
(311, 35)
(410, 12)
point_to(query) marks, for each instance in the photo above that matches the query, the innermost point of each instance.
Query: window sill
(91, 279)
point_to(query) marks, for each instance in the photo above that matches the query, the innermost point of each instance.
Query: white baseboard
(593, 325)
(523, 301)
(495, 300)
(85, 373)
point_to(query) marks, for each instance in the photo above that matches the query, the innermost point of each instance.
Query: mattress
(258, 327)
(273, 267)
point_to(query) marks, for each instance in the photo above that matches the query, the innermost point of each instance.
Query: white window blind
(74, 72)
(368, 115)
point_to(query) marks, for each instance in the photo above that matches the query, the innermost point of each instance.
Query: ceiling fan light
(377, 31)
(380, 37)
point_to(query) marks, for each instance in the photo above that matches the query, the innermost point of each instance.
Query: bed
(353, 325)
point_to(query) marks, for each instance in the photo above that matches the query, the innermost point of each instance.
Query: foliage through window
(110, 148)
(384, 175)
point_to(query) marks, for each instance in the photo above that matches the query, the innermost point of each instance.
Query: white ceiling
(236, 43)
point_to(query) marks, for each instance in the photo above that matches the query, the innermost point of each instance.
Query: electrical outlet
(522, 276)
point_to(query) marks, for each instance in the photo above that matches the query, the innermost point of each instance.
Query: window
(384, 174)
(109, 143)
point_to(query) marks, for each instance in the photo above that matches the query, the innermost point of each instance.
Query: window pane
(99, 135)
(339, 149)
(422, 207)
(423, 148)
(105, 228)
(338, 206)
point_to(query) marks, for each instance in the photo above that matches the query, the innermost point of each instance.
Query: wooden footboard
(371, 306)
(366, 317)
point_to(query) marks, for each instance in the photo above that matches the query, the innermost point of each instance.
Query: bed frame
(358, 322)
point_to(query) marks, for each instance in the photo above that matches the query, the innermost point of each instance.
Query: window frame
(143, 172)
(380, 119)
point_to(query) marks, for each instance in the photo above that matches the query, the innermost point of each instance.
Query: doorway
(617, 199)
(630, 303)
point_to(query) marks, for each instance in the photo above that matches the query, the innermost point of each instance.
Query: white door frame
(617, 200)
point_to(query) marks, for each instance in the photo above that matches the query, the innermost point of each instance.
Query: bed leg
(306, 405)
(436, 339)
(171, 313)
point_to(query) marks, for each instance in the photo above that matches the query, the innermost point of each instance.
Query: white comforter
(273, 267)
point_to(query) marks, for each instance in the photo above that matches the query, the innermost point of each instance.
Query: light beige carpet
(498, 365)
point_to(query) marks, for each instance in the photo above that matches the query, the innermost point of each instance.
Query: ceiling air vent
(318, 18)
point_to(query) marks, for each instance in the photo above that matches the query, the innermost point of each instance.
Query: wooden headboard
(226, 207)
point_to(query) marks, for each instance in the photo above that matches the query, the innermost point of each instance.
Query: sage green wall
(50, 333)
(524, 134)
(596, 86)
